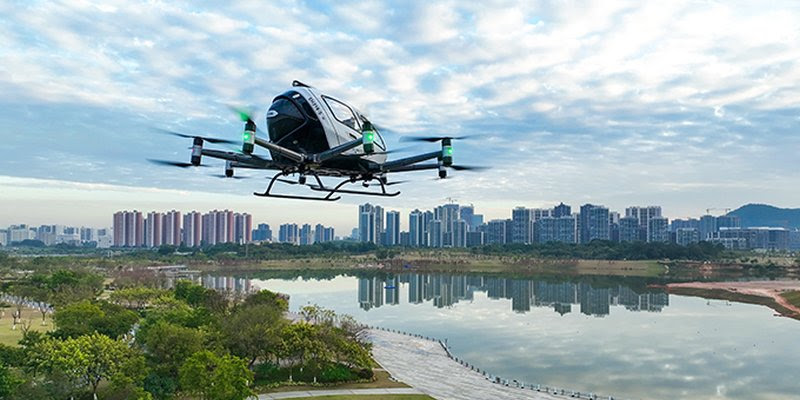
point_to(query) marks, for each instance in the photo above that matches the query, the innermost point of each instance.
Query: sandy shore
(767, 289)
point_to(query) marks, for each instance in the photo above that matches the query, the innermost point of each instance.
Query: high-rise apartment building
(658, 229)
(563, 229)
(496, 232)
(593, 223)
(323, 234)
(171, 228)
(392, 237)
(460, 231)
(192, 229)
(562, 210)
(467, 213)
(128, 229)
(629, 229)
(306, 235)
(643, 215)
(687, 236)
(708, 226)
(521, 225)
(242, 228)
(448, 214)
(416, 229)
(370, 223)
(263, 233)
(152, 228)
(289, 233)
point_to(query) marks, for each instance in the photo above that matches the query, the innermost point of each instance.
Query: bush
(266, 373)
(365, 373)
(337, 373)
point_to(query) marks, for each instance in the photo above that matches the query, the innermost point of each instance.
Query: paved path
(425, 365)
(316, 393)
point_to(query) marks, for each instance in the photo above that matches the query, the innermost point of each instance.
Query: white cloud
(633, 97)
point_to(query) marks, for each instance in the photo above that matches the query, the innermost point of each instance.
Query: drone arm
(241, 160)
(290, 154)
(408, 161)
(416, 167)
(328, 154)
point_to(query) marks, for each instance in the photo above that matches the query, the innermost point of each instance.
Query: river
(602, 334)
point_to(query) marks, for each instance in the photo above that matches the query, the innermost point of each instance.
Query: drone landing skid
(268, 192)
(338, 189)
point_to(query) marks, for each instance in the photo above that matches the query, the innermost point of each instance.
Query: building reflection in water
(231, 285)
(444, 290)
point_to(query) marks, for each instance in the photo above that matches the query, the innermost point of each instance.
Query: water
(606, 335)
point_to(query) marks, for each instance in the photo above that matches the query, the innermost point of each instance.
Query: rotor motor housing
(447, 152)
(228, 169)
(197, 151)
(249, 137)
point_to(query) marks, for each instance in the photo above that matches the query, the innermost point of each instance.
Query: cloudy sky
(686, 104)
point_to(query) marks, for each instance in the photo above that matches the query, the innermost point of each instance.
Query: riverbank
(477, 264)
(427, 366)
(768, 293)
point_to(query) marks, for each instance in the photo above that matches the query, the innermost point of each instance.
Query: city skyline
(446, 225)
(341, 219)
(694, 109)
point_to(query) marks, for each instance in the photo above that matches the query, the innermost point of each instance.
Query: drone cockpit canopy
(304, 120)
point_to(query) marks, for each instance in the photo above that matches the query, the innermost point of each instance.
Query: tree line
(143, 342)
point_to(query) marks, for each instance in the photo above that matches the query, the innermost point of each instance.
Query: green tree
(265, 297)
(253, 332)
(136, 297)
(168, 345)
(87, 360)
(85, 317)
(214, 377)
(9, 381)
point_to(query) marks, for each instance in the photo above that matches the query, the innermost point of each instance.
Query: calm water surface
(603, 335)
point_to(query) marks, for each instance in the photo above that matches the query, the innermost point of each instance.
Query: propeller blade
(207, 139)
(432, 139)
(287, 181)
(468, 168)
(174, 163)
(243, 113)
(229, 177)
(394, 183)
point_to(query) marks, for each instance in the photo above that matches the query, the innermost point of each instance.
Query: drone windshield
(283, 118)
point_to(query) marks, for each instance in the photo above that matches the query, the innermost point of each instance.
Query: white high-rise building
(370, 223)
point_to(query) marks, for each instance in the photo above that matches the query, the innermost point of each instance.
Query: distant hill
(766, 215)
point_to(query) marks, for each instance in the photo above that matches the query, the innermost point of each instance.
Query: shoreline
(767, 293)
(426, 364)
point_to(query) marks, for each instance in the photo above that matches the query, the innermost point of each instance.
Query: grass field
(792, 297)
(9, 336)
(466, 262)
(370, 397)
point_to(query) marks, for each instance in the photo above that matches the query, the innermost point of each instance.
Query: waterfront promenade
(335, 392)
(426, 366)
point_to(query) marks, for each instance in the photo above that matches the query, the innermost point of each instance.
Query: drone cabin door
(345, 121)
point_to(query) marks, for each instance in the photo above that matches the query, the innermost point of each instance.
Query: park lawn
(792, 297)
(11, 337)
(369, 397)
(381, 381)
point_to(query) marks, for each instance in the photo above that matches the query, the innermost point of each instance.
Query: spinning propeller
(174, 163)
(433, 139)
(205, 138)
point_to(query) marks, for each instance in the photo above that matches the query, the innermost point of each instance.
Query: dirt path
(768, 289)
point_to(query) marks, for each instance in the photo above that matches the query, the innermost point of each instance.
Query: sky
(685, 104)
